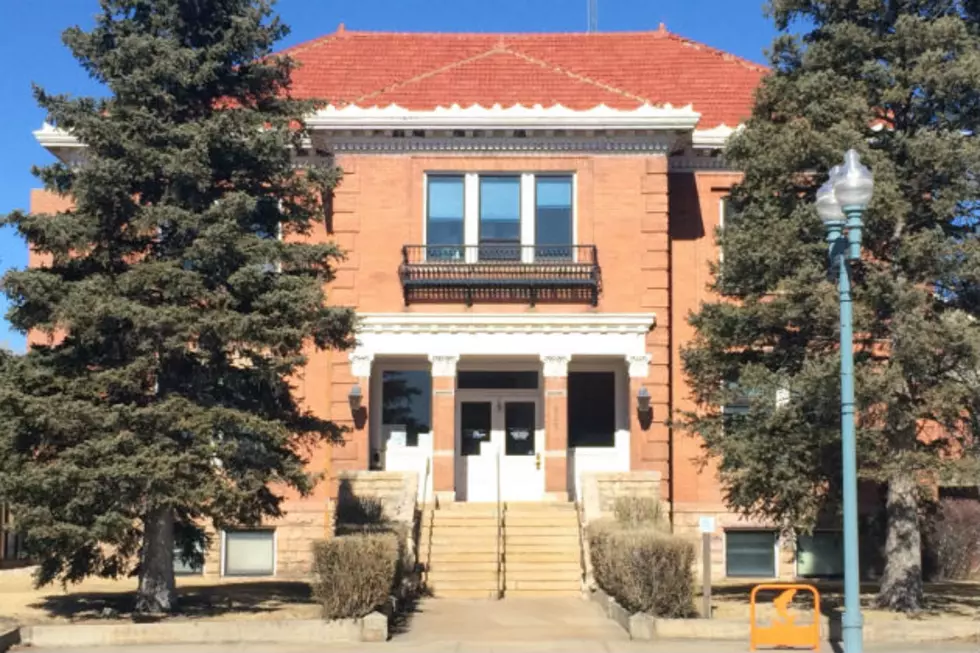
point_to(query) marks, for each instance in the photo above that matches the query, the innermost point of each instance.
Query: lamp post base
(851, 633)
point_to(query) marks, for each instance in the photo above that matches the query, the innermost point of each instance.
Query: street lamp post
(841, 202)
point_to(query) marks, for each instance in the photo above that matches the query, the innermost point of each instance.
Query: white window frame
(377, 388)
(528, 204)
(275, 554)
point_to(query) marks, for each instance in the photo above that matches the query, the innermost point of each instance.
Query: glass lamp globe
(827, 207)
(855, 183)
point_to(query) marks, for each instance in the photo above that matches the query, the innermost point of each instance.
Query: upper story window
(500, 217)
(523, 217)
(444, 219)
(553, 215)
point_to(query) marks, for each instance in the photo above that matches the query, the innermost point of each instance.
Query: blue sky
(30, 45)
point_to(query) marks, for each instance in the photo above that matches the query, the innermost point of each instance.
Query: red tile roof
(580, 71)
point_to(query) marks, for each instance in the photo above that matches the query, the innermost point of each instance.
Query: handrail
(424, 567)
(500, 532)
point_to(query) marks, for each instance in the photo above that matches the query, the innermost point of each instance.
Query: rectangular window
(193, 566)
(478, 380)
(553, 217)
(250, 553)
(475, 422)
(406, 403)
(591, 409)
(500, 218)
(444, 222)
(820, 555)
(750, 554)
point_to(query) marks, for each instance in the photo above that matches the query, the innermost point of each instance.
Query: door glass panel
(519, 425)
(475, 423)
(444, 222)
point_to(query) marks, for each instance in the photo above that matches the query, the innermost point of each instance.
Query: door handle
(537, 460)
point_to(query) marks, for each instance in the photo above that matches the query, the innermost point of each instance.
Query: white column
(471, 215)
(528, 216)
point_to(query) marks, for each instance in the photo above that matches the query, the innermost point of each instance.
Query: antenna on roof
(593, 15)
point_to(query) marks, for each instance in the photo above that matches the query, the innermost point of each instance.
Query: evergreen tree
(898, 80)
(180, 297)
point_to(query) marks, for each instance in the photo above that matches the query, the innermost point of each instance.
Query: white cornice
(716, 137)
(51, 137)
(579, 323)
(646, 116)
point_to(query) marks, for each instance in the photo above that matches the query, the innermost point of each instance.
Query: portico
(481, 404)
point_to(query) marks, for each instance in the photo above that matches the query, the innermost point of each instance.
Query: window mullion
(528, 204)
(471, 215)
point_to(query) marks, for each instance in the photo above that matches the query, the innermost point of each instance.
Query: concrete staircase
(538, 553)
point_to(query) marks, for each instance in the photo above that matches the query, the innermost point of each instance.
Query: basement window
(249, 553)
(750, 554)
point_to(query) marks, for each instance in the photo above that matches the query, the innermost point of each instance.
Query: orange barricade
(784, 631)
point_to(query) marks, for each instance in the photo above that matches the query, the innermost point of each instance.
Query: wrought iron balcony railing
(500, 273)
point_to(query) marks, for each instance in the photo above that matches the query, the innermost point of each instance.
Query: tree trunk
(157, 589)
(901, 584)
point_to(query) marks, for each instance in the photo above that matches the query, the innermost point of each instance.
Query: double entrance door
(499, 445)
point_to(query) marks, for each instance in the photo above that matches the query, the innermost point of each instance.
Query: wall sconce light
(643, 407)
(356, 397)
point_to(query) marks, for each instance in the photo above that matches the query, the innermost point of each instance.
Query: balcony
(500, 274)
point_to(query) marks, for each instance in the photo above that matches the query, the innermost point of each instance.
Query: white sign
(707, 524)
(397, 435)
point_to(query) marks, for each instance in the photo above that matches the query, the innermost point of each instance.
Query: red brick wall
(655, 237)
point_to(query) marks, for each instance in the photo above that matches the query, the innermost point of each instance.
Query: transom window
(499, 217)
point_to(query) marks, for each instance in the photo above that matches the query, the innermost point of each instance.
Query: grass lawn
(104, 601)
(730, 600)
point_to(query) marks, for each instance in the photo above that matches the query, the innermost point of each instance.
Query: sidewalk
(554, 646)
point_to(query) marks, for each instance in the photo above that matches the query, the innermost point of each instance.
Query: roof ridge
(431, 73)
(577, 76)
(649, 32)
(306, 46)
(718, 52)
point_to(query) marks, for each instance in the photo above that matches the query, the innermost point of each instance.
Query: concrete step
(541, 574)
(570, 541)
(449, 584)
(450, 566)
(541, 521)
(462, 557)
(492, 594)
(540, 531)
(538, 594)
(545, 585)
(438, 576)
(457, 543)
(560, 564)
(565, 551)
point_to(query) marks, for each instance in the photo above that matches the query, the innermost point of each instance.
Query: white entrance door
(501, 444)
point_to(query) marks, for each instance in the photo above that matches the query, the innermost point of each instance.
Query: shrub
(953, 539)
(644, 569)
(355, 574)
(636, 512)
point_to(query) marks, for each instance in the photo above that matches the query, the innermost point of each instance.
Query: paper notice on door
(397, 435)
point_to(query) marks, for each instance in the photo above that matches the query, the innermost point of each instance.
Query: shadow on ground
(195, 601)
(941, 599)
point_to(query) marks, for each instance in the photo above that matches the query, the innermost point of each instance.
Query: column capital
(555, 365)
(444, 364)
(639, 365)
(360, 364)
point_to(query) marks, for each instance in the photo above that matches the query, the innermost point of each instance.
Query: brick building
(529, 219)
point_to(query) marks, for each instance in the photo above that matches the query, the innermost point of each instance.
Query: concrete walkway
(560, 625)
(554, 646)
(508, 620)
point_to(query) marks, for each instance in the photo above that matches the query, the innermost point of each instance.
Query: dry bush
(953, 538)
(644, 569)
(355, 574)
(639, 512)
